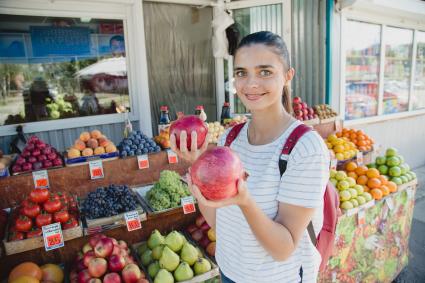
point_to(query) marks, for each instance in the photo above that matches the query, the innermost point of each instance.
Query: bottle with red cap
(164, 119)
(225, 113)
(199, 111)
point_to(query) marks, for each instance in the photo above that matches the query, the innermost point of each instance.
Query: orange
(351, 166)
(361, 137)
(376, 194)
(362, 148)
(392, 187)
(385, 190)
(384, 179)
(361, 170)
(353, 136)
(352, 175)
(338, 134)
(372, 173)
(366, 189)
(360, 132)
(374, 183)
(361, 143)
(362, 180)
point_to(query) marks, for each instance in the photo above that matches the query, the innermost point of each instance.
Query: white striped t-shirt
(239, 255)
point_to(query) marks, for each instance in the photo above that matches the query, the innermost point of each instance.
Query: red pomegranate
(189, 124)
(216, 173)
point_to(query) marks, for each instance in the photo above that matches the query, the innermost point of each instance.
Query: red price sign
(53, 237)
(361, 217)
(54, 240)
(132, 220)
(41, 183)
(172, 157)
(96, 169)
(188, 205)
(97, 172)
(41, 179)
(143, 161)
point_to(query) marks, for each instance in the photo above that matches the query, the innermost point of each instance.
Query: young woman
(262, 231)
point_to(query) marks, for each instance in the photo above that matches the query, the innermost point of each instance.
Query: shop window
(363, 43)
(398, 63)
(56, 68)
(418, 95)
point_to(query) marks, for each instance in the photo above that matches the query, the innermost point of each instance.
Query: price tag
(188, 205)
(172, 157)
(359, 158)
(390, 203)
(361, 217)
(132, 220)
(409, 192)
(334, 163)
(143, 161)
(52, 235)
(41, 179)
(96, 169)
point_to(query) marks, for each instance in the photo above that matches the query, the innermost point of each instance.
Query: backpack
(324, 242)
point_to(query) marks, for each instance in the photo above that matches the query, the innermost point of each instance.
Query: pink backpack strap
(234, 132)
(293, 138)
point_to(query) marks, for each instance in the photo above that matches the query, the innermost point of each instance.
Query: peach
(79, 144)
(87, 152)
(99, 150)
(110, 148)
(103, 141)
(92, 143)
(85, 136)
(73, 153)
(95, 134)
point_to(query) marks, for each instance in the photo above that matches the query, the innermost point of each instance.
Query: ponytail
(286, 99)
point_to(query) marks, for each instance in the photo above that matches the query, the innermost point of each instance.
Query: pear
(155, 239)
(142, 248)
(201, 266)
(147, 257)
(199, 252)
(163, 276)
(174, 241)
(169, 259)
(183, 272)
(153, 269)
(157, 252)
(189, 254)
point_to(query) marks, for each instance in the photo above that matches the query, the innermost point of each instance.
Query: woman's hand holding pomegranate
(183, 152)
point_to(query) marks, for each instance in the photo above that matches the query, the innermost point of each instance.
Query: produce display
(301, 110)
(42, 208)
(163, 138)
(393, 166)
(189, 123)
(203, 234)
(108, 260)
(167, 192)
(324, 111)
(171, 258)
(137, 144)
(36, 155)
(215, 129)
(238, 119)
(89, 144)
(342, 148)
(109, 201)
(218, 161)
(29, 272)
(362, 141)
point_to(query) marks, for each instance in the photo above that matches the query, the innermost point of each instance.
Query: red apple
(122, 244)
(205, 227)
(84, 276)
(32, 159)
(204, 242)
(297, 99)
(94, 239)
(104, 247)
(297, 106)
(116, 263)
(129, 259)
(87, 257)
(199, 220)
(123, 252)
(30, 147)
(197, 235)
(52, 156)
(97, 267)
(47, 164)
(305, 106)
(80, 265)
(191, 228)
(87, 248)
(114, 241)
(116, 250)
(36, 152)
(131, 273)
(20, 161)
(57, 162)
(73, 276)
(112, 278)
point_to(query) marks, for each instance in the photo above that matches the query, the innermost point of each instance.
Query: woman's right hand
(194, 153)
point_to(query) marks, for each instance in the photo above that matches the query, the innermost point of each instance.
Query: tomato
(31, 210)
(26, 202)
(39, 195)
(61, 216)
(35, 232)
(54, 196)
(71, 223)
(52, 205)
(43, 219)
(23, 224)
(16, 236)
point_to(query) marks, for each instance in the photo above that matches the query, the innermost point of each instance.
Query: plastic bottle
(199, 111)
(225, 113)
(164, 119)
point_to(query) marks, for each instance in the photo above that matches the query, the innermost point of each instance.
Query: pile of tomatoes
(41, 208)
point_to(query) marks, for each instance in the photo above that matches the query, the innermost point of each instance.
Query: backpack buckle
(284, 157)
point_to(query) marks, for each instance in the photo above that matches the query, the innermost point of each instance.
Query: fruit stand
(368, 228)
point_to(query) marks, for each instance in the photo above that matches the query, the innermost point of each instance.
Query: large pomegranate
(189, 124)
(216, 173)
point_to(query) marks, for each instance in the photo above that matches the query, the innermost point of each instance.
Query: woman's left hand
(242, 198)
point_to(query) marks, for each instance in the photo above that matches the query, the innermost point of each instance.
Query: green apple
(340, 175)
(394, 171)
(367, 196)
(404, 179)
(393, 161)
(333, 181)
(397, 180)
(381, 160)
(383, 169)
(353, 193)
(346, 205)
(343, 185)
(351, 181)
(401, 158)
(391, 152)
(371, 165)
(332, 173)
(361, 200)
(404, 168)
(344, 195)
(359, 189)
(354, 202)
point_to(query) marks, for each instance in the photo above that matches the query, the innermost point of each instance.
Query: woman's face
(259, 77)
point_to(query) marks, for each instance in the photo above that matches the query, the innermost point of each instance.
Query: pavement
(414, 272)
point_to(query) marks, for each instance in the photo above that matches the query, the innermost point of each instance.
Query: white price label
(143, 161)
(390, 203)
(361, 217)
(188, 205)
(409, 192)
(96, 169)
(41, 179)
(52, 235)
(132, 220)
(334, 163)
(172, 157)
(359, 158)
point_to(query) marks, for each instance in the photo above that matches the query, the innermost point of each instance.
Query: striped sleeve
(307, 173)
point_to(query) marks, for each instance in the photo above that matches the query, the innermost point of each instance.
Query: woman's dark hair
(278, 46)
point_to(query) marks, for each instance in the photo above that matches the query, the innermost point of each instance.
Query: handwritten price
(97, 172)
(189, 208)
(53, 240)
(41, 183)
(133, 225)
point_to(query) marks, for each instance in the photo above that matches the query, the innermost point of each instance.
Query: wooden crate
(312, 122)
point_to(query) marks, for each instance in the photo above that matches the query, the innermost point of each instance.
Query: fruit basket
(149, 264)
(108, 220)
